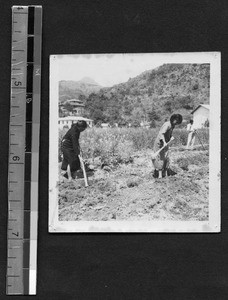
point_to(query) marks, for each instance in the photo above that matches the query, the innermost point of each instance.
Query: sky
(110, 69)
(105, 69)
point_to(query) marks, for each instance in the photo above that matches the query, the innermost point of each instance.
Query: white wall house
(145, 124)
(77, 107)
(201, 115)
(68, 121)
(105, 125)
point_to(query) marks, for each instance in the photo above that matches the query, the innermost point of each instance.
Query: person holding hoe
(161, 146)
(71, 150)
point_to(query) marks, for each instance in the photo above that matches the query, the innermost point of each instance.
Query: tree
(82, 97)
(122, 123)
(61, 114)
(68, 107)
(152, 124)
(135, 123)
(98, 116)
(184, 102)
(153, 116)
(206, 124)
(128, 107)
(94, 106)
(136, 117)
(150, 90)
(168, 106)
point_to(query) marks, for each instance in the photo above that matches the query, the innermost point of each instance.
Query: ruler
(23, 166)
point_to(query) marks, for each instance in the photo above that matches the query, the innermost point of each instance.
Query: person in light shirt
(161, 164)
(191, 135)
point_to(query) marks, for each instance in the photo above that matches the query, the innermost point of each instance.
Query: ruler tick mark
(19, 87)
(20, 13)
(18, 93)
(20, 62)
(14, 200)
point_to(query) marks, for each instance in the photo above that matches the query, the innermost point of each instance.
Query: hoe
(154, 155)
(83, 170)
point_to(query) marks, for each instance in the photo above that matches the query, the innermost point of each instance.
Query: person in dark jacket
(71, 149)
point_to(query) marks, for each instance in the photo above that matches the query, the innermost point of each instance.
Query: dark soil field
(129, 191)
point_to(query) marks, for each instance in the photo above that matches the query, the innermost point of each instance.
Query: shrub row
(119, 144)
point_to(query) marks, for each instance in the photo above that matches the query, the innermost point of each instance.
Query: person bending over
(162, 162)
(71, 149)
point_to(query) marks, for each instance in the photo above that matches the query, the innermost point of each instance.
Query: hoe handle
(154, 155)
(83, 170)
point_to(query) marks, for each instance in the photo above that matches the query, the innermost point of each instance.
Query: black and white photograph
(135, 142)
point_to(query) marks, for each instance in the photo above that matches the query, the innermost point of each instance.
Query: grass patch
(115, 146)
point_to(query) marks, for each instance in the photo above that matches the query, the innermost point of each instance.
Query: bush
(183, 163)
(117, 145)
(133, 182)
(202, 136)
(199, 159)
(181, 137)
(206, 124)
(168, 105)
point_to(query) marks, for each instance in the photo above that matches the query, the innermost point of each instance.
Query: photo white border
(214, 223)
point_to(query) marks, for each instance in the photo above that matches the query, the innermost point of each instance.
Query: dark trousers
(69, 158)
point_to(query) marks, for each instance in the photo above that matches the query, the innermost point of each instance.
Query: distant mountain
(153, 95)
(89, 81)
(69, 89)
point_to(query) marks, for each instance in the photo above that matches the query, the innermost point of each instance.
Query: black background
(120, 266)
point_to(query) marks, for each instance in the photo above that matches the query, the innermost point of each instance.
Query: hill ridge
(152, 95)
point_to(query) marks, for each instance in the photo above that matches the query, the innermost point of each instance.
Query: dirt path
(131, 193)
